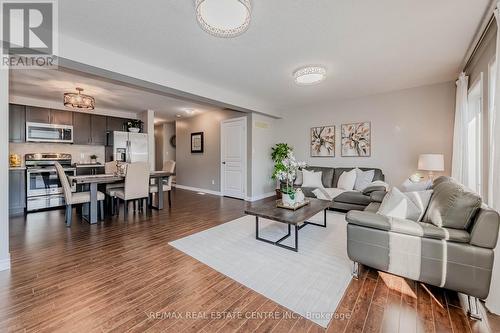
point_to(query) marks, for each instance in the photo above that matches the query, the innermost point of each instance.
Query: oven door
(38, 132)
(45, 181)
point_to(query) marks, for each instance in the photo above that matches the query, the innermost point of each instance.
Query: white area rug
(310, 282)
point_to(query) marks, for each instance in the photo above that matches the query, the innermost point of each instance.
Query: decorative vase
(93, 160)
(134, 129)
(287, 200)
(299, 196)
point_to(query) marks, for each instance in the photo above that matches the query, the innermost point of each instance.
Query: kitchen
(80, 141)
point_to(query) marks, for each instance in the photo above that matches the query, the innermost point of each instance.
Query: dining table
(94, 180)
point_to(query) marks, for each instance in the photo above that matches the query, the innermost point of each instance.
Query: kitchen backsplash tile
(79, 153)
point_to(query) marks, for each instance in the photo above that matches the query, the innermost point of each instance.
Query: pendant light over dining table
(79, 100)
(224, 18)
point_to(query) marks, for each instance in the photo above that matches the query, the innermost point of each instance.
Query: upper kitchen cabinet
(61, 117)
(114, 124)
(17, 123)
(98, 130)
(82, 133)
(36, 114)
(48, 116)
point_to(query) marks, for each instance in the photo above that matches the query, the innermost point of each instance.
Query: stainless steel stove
(43, 188)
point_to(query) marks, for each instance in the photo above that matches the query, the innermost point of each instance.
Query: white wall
(4, 170)
(168, 149)
(148, 117)
(404, 123)
(263, 138)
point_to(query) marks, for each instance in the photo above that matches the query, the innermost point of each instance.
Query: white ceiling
(368, 47)
(49, 85)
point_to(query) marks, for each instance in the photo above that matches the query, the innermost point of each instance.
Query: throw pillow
(327, 193)
(311, 179)
(409, 205)
(298, 178)
(347, 180)
(363, 179)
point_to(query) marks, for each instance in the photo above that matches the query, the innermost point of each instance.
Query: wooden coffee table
(297, 219)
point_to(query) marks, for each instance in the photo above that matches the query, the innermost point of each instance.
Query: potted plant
(134, 125)
(93, 159)
(278, 154)
(287, 174)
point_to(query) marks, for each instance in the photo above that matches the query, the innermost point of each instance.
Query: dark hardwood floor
(123, 276)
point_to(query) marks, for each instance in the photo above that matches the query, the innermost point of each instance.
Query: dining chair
(136, 186)
(112, 168)
(170, 167)
(77, 197)
(166, 187)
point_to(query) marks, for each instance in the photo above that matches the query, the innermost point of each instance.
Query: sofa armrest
(377, 196)
(376, 188)
(484, 232)
(368, 219)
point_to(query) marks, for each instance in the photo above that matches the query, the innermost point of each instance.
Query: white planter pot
(134, 129)
(287, 201)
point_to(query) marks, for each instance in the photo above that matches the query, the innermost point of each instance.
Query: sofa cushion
(363, 179)
(409, 205)
(407, 227)
(353, 197)
(312, 179)
(326, 176)
(452, 206)
(378, 175)
(347, 180)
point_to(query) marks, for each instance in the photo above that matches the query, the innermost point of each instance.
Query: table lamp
(431, 163)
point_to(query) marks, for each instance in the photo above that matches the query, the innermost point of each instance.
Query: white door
(234, 157)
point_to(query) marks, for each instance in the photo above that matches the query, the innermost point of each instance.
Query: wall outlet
(213, 182)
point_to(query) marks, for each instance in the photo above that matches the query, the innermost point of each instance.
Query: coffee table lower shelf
(289, 233)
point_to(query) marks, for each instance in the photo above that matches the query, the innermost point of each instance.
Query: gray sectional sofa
(351, 200)
(452, 247)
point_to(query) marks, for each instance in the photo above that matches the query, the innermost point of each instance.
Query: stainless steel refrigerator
(130, 147)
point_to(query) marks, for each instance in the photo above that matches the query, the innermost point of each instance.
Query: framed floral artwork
(356, 140)
(323, 141)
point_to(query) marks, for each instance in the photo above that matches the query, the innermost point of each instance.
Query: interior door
(233, 157)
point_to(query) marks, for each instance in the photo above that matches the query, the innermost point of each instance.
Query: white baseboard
(260, 196)
(5, 264)
(196, 189)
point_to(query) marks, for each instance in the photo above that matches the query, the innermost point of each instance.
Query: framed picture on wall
(356, 139)
(323, 141)
(197, 142)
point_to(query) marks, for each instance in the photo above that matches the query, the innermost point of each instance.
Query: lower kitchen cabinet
(17, 191)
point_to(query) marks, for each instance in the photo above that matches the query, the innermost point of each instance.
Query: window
(473, 145)
(492, 76)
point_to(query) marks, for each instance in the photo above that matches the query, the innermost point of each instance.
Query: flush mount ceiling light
(224, 18)
(79, 100)
(309, 75)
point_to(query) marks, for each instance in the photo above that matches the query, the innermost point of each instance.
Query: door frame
(244, 159)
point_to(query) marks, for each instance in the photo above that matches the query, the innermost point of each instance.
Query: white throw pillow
(298, 178)
(409, 205)
(312, 179)
(327, 193)
(363, 179)
(347, 180)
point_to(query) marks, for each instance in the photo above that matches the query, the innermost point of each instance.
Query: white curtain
(459, 162)
(493, 300)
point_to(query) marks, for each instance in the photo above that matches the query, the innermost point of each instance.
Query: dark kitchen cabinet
(98, 130)
(61, 117)
(114, 124)
(82, 129)
(17, 123)
(36, 114)
(17, 192)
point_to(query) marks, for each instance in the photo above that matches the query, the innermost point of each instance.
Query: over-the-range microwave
(39, 132)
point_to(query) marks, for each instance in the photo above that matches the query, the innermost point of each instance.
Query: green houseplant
(93, 158)
(134, 125)
(279, 152)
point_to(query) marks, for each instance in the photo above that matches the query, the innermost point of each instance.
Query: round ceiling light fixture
(224, 18)
(309, 75)
(79, 100)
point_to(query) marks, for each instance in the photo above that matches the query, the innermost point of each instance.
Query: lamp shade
(431, 162)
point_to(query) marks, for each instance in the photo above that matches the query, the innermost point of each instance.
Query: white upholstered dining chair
(76, 197)
(136, 186)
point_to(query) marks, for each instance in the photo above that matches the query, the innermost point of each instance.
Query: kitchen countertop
(88, 165)
(17, 168)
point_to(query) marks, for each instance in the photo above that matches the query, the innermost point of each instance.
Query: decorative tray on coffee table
(279, 204)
